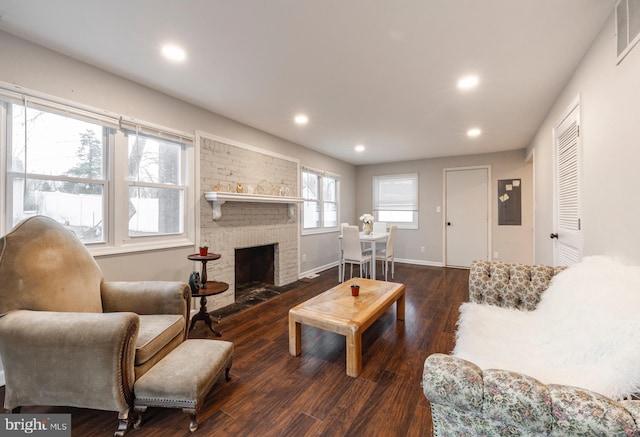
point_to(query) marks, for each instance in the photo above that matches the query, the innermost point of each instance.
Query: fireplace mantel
(218, 198)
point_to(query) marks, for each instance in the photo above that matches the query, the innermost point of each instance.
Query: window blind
(396, 193)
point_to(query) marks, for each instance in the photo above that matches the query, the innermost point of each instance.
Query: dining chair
(379, 227)
(341, 254)
(386, 254)
(352, 251)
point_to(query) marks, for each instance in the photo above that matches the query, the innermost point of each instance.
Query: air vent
(627, 26)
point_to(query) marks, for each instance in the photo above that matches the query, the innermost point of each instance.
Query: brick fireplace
(225, 165)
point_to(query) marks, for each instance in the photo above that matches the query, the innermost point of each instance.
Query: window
(156, 190)
(321, 201)
(117, 186)
(395, 200)
(56, 166)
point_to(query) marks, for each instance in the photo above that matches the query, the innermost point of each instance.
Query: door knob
(554, 235)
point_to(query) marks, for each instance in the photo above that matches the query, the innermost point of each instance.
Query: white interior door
(568, 246)
(467, 215)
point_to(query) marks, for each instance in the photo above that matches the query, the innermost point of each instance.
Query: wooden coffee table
(337, 311)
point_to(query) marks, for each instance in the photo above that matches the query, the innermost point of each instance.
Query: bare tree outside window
(155, 194)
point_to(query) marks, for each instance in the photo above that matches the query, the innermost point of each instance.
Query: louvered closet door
(568, 226)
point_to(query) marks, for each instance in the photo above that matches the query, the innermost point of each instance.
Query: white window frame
(321, 202)
(413, 206)
(116, 194)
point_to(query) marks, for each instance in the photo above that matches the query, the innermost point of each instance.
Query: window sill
(135, 247)
(319, 231)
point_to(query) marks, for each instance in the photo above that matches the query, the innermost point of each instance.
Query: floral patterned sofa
(509, 285)
(468, 401)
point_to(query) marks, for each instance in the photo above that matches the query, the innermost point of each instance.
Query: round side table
(207, 288)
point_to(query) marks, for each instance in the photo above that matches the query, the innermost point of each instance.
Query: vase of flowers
(367, 223)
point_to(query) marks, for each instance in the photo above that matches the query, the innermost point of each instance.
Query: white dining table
(373, 239)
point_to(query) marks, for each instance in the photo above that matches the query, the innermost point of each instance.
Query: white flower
(366, 218)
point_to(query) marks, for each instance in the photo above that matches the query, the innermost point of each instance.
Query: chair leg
(124, 423)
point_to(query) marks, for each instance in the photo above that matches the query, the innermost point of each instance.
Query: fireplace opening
(254, 269)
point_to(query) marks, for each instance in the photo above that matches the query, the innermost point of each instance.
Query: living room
(606, 89)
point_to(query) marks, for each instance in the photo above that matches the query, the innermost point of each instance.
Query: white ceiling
(377, 72)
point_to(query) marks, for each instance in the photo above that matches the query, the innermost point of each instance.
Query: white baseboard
(317, 270)
(419, 262)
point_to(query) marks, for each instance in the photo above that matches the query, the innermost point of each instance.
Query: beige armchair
(67, 337)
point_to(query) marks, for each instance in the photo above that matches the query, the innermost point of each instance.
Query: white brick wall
(246, 224)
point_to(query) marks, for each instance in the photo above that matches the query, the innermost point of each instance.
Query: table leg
(341, 257)
(295, 336)
(203, 315)
(203, 275)
(400, 308)
(354, 353)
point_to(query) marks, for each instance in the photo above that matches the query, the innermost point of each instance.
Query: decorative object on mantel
(217, 187)
(265, 188)
(239, 187)
(284, 191)
(218, 199)
(367, 223)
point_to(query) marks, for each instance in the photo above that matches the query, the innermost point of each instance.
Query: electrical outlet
(495, 255)
(422, 249)
(304, 258)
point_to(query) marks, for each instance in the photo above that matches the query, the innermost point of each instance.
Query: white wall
(610, 118)
(513, 243)
(37, 68)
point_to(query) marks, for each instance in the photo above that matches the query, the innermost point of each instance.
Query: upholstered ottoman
(183, 378)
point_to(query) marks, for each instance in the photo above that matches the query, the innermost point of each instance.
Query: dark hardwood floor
(274, 394)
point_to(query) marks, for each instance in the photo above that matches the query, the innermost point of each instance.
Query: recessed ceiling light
(468, 82)
(301, 119)
(174, 53)
(474, 132)
(359, 148)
